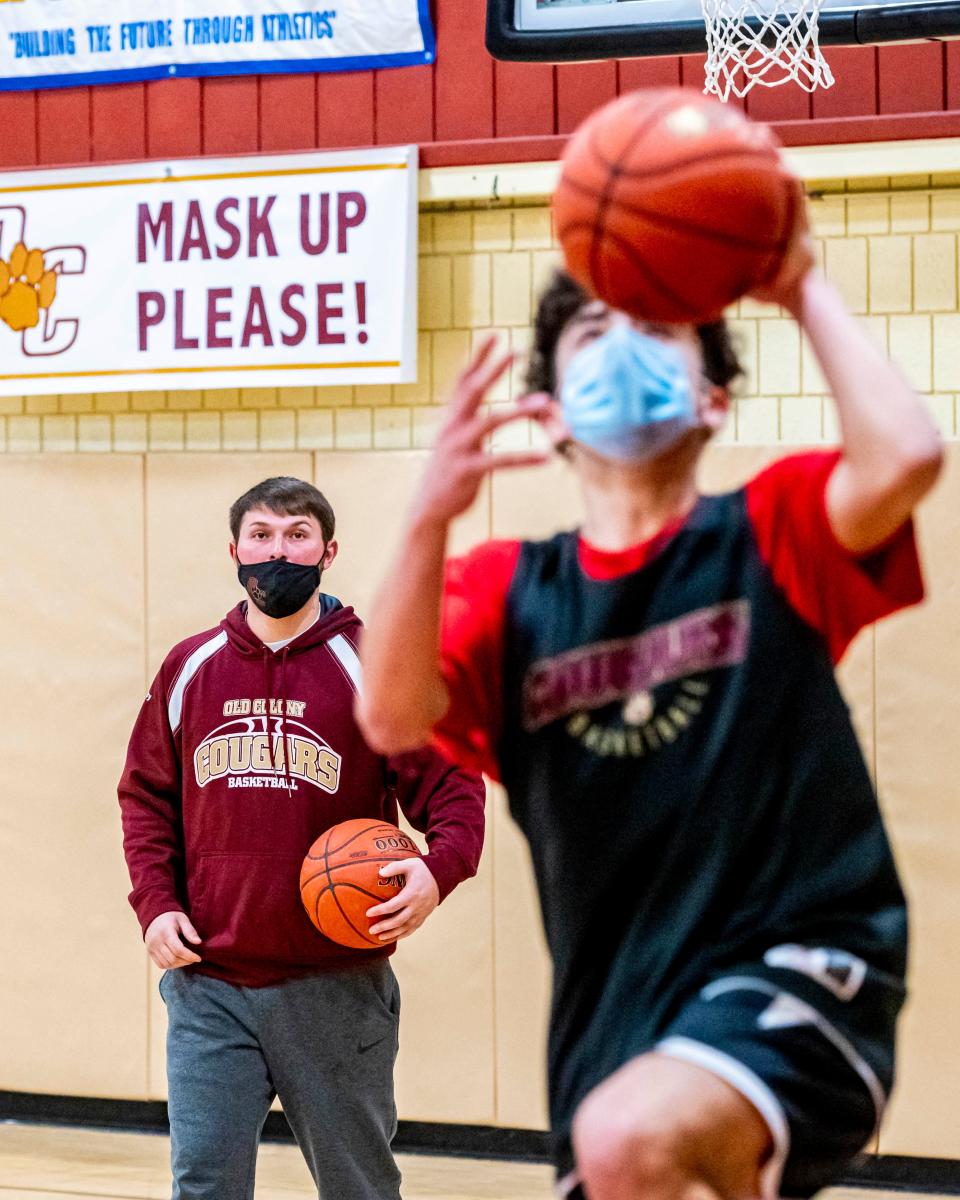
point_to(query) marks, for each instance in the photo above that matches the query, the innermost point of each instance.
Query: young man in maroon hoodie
(244, 752)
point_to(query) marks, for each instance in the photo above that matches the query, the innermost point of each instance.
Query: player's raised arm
(892, 450)
(403, 694)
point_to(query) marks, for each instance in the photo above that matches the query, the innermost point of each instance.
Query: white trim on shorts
(752, 1088)
(866, 1073)
(563, 1187)
(749, 1085)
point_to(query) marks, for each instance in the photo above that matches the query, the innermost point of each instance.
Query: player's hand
(164, 941)
(785, 287)
(460, 460)
(400, 916)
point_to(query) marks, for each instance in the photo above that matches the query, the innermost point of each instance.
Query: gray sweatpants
(326, 1045)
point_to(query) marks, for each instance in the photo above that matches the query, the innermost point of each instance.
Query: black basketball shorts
(807, 1036)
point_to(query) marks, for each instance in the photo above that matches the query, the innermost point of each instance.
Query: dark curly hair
(563, 298)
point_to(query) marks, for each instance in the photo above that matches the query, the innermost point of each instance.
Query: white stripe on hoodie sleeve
(347, 657)
(190, 667)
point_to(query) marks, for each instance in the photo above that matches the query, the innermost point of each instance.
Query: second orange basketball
(670, 205)
(340, 878)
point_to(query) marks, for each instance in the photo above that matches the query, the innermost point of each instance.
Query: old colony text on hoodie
(240, 758)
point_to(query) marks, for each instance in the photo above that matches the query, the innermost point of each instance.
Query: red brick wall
(464, 109)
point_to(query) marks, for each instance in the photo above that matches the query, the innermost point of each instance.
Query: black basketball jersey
(680, 759)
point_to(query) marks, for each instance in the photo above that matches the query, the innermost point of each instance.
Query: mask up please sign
(204, 273)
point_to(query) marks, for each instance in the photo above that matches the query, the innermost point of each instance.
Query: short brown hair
(285, 496)
(563, 298)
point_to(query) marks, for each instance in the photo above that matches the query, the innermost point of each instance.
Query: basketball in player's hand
(671, 205)
(340, 878)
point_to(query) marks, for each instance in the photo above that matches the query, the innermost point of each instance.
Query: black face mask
(279, 588)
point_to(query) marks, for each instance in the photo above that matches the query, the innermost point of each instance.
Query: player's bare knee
(618, 1157)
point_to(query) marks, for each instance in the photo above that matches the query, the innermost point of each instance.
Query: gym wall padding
(112, 558)
(73, 999)
(918, 763)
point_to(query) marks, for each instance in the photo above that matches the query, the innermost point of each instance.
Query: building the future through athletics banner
(203, 273)
(59, 43)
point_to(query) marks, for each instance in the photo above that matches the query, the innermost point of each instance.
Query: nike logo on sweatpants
(362, 1049)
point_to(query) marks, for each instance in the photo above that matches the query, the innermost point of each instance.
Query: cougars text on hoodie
(240, 758)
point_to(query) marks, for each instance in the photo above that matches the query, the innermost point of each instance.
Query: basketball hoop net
(749, 45)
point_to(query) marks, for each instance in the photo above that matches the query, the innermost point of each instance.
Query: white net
(749, 45)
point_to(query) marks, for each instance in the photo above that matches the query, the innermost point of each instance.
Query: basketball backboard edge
(855, 24)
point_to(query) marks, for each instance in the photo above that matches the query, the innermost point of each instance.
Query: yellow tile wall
(889, 244)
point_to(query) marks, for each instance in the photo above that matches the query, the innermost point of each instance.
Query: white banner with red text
(66, 43)
(210, 273)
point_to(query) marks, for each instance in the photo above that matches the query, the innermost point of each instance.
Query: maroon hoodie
(222, 795)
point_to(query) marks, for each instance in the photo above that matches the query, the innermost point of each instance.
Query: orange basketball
(670, 205)
(340, 877)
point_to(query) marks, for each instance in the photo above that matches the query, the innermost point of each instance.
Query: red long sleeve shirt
(240, 758)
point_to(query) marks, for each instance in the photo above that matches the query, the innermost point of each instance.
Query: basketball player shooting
(656, 691)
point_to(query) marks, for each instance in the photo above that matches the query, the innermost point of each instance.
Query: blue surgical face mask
(628, 395)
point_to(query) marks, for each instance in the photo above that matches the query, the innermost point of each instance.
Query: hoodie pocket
(247, 907)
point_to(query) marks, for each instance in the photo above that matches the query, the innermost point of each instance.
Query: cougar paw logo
(255, 590)
(26, 286)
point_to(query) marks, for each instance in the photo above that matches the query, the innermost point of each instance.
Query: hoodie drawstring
(268, 657)
(283, 719)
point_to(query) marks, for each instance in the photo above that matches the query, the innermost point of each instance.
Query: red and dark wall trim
(465, 109)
